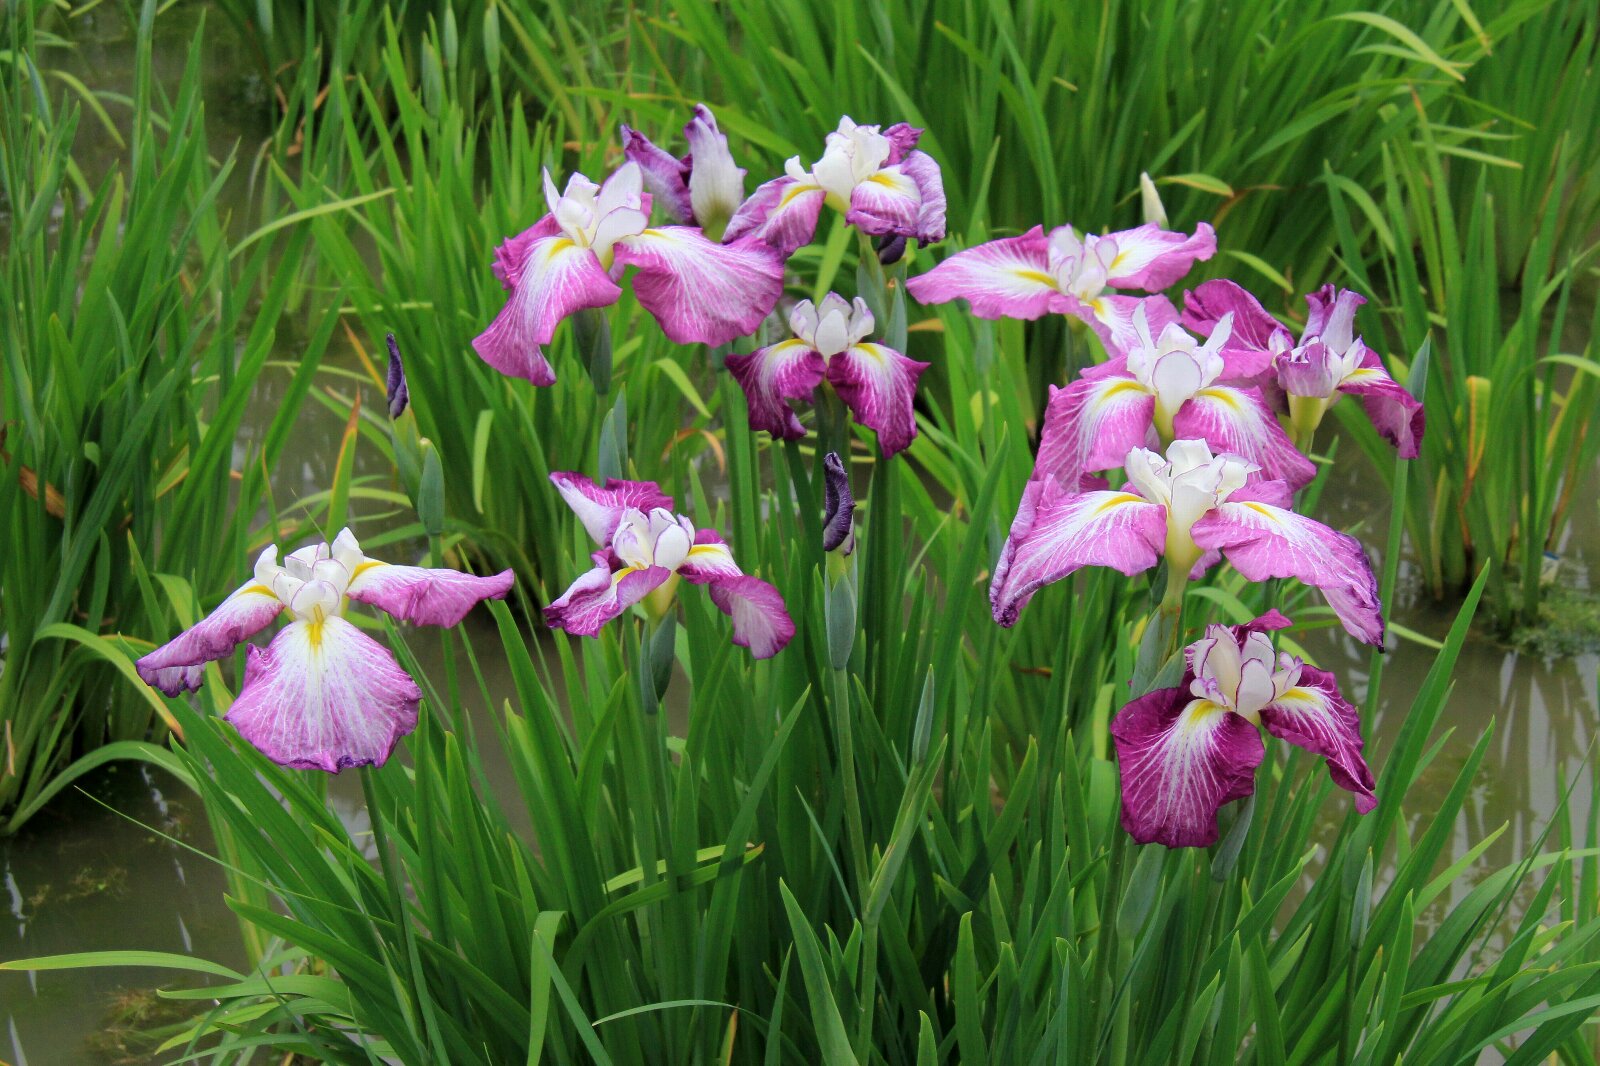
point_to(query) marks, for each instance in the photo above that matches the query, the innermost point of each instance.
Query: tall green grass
(134, 336)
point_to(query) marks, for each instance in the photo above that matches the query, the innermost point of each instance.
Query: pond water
(120, 862)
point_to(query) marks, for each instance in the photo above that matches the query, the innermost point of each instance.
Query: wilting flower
(701, 292)
(1073, 274)
(1193, 508)
(874, 175)
(645, 546)
(877, 383)
(1183, 752)
(396, 394)
(704, 188)
(1302, 380)
(323, 695)
(1163, 390)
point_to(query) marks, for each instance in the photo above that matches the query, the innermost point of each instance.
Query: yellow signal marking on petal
(1117, 501)
(617, 577)
(1120, 385)
(1362, 376)
(793, 192)
(1226, 397)
(257, 589)
(364, 566)
(1038, 277)
(1116, 261)
(1099, 307)
(708, 549)
(1264, 511)
(314, 632)
(1199, 714)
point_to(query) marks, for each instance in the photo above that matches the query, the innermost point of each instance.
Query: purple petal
(177, 665)
(710, 559)
(761, 622)
(1007, 278)
(513, 251)
(1057, 531)
(324, 696)
(600, 595)
(557, 278)
(422, 596)
(1396, 413)
(879, 385)
(838, 505)
(665, 176)
(782, 213)
(1151, 258)
(600, 507)
(1331, 316)
(700, 291)
(1093, 424)
(903, 137)
(1314, 716)
(395, 391)
(1264, 541)
(924, 170)
(1253, 328)
(1180, 760)
(771, 377)
(1239, 422)
(886, 202)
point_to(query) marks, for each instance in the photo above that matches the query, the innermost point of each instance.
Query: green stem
(844, 729)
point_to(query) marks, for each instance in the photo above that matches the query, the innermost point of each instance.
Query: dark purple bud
(891, 246)
(838, 505)
(399, 395)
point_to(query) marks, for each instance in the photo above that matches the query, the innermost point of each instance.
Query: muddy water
(119, 863)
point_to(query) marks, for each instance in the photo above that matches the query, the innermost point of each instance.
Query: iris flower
(1183, 752)
(877, 383)
(1302, 380)
(875, 176)
(705, 187)
(700, 291)
(1193, 508)
(1069, 273)
(322, 695)
(1164, 389)
(644, 547)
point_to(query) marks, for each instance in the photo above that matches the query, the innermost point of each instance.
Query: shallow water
(110, 865)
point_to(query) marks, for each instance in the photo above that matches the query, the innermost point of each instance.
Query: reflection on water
(87, 875)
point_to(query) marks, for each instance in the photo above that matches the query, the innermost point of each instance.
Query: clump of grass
(1568, 624)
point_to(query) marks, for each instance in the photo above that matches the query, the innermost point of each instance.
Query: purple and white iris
(645, 547)
(1069, 273)
(877, 383)
(1183, 752)
(1302, 380)
(322, 695)
(874, 175)
(700, 291)
(1165, 389)
(1193, 508)
(705, 187)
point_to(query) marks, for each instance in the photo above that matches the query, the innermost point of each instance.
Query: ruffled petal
(178, 665)
(771, 377)
(600, 595)
(716, 185)
(1331, 316)
(513, 251)
(782, 213)
(600, 507)
(1151, 258)
(709, 559)
(1180, 760)
(1239, 422)
(558, 277)
(1314, 716)
(666, 176)
(903, 137)
(761, 622)
(425, 597)
(924, 170)
(1093, 424)
(1264, 541)
(324, 696)
(1007, 278)
(1253, 327)
(700, 291)
(1057, 531)
(886, 202)
(1397, 415)
(879, 385)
